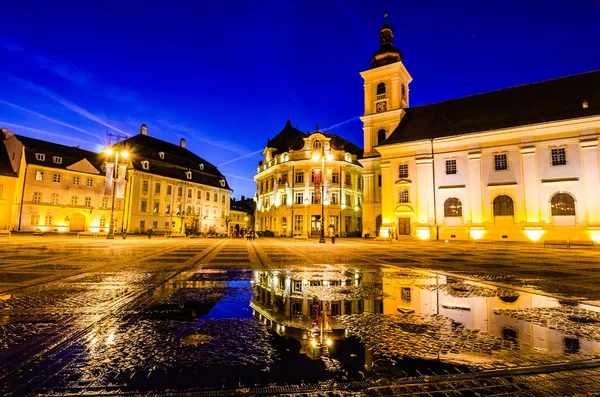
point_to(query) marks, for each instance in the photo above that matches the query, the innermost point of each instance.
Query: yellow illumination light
(534, 234)
(108, 152)
(477, 233)
(356, 208)
(330, 157)
(313, 342)
(329, 342)
(124, 154)
(595, 235)
(316, 157)
(423, 234)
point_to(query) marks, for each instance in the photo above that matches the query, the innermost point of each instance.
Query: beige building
(11, 186)
(515, 164)
(289, 185)
(59, 188)
(171, 189)
(241, 216)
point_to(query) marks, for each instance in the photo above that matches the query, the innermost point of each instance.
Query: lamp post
(316, 156)
(124, 154)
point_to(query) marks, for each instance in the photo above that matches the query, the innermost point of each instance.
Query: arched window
(503, 206)
(562, 204)
(452, 207)
(380, 136)
(403, 90)
(380, 88)
(403, 198)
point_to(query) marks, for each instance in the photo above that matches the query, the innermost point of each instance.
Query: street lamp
(316, 156)
(109, 152)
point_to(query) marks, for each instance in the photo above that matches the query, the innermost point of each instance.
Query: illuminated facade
(289, 185)
(515, 164)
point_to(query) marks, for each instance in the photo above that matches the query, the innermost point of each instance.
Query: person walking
(149, 233)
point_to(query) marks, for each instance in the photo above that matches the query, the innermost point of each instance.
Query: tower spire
(386, 53)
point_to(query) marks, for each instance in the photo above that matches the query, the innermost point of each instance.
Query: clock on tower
(381, 107)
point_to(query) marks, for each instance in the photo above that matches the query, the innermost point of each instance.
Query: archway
(77, 223)
(377, 225)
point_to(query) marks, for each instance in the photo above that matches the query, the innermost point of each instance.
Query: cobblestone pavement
(58, 295)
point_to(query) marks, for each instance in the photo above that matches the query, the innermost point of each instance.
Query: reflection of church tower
(386, 95)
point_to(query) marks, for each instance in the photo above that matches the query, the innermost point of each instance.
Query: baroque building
(289, 185)
(514, 164)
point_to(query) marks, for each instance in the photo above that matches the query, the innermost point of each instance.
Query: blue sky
(226, 75)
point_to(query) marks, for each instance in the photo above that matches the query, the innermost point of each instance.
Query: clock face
(381, 107)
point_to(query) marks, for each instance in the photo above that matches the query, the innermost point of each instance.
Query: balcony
(380, 96)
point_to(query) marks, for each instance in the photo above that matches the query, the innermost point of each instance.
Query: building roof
(69, 154)
(291, 138)
(5, 165)
(546, 101)
(176, 162)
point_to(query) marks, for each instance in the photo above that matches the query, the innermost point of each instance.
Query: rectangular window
(145, 186)
(348, 200)
(155, 225)
(223, 199)
(207, 196)
(313, 198)
(348, 179)
(451, 167)
(335, 177)
(104, 204)
(35, 220)
(403, 171)
(89, 182)
(500, 163)
(300, 177)
(335, 198)
(142, 226)
(169, 190)
(283, 199)
(54, 199)
(39, 175)
(297, 285)
(216, 197)
(189, 193)
(37, 197)
(166, 225)
(102, 222)
(144, 206)
(284, 178)
(75, 181)
(199, 195)
(359, 183)
(559, 156)
(74, 200)
(156, 206)
(157, 188)
(379, 180)
(299, 198)
(298, 223)
(49, 220)
(334, 221)
(88, 202)
(168, 209)
(179, 191)
(312, 176)
(56, 178)
(117, 205)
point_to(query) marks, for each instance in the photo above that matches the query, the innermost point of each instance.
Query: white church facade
(520, 163)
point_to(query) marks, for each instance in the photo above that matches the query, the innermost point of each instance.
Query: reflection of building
(508, 164)
(63, 187)
(241, 216)
(289, 184)
(172, 189)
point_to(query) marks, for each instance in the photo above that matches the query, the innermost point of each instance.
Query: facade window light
(161, 155)
(57, 160)
(188, 174)
(40, 156)
(145, 165)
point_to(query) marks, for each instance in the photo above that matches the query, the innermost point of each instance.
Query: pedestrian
(149, 233)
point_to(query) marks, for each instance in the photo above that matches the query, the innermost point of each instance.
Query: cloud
(242, 157)
(68, 72)
(64, 102)
(239, 177)
(13, 47)
(342, 123)
(41, 132)
(199, 136)
(48, 118)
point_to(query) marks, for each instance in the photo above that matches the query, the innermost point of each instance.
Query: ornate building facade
(514, 164)
(299, 173)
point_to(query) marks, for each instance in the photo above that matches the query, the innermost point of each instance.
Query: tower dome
(386, 53)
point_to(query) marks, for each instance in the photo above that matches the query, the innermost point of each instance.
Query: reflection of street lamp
(124, 154)
(320, 154)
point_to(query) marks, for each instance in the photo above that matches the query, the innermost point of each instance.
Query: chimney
(144, 129)
(243, 198)
(182, 143)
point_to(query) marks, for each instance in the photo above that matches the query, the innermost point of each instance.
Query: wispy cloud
(241, 157)
(342, 123)
(202, 137)
(48, 118)
(239, 177)
(64, 102)
(66, 71)
(17, 127)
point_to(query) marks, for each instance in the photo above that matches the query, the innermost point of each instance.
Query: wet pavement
(274, 316)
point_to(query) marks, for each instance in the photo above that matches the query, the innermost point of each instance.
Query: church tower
(386, 97)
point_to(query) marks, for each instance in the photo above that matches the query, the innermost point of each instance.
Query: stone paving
(56, 291)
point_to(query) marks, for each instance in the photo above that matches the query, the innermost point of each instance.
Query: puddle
(214, 329)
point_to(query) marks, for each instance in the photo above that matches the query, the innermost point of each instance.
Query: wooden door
(77, 223)
(404, 226)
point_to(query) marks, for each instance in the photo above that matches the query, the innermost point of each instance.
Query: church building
(521, 163)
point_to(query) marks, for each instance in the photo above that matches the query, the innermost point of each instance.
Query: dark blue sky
(226, 75)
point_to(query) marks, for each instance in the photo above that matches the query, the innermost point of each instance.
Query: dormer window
(40, 156)
(146, 165)
(317, 145)
(161, 155)
(57, 160)
(201, 165)
(188, 174)
(222, 182)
